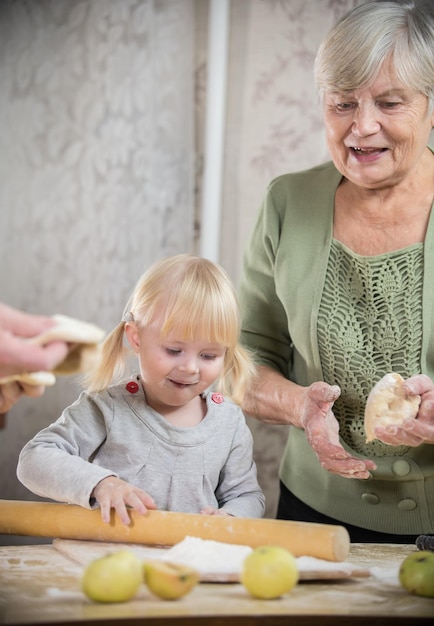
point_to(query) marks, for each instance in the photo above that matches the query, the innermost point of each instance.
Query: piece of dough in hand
(84, 339)
(389, 404)
(85, 342)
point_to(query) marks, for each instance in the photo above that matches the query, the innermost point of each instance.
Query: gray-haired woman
(338, 284)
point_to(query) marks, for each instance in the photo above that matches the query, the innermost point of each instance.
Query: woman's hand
(114, 493)
(413, 432)
(276, 400)
(17, 354)
(322, 432)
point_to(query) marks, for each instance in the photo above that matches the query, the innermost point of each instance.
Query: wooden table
(39, 585)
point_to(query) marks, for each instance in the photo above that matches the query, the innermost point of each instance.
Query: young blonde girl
(189, 294)
(172, 436)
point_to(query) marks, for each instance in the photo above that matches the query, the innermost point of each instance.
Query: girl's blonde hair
(189, 295)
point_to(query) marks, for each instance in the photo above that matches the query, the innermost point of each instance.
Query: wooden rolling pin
(67, 521)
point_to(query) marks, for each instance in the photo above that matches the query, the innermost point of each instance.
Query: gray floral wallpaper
(96, 144)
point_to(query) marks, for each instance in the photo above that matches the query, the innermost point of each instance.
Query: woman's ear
(133, 336)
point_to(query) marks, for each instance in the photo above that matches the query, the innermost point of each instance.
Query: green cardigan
(280, 291)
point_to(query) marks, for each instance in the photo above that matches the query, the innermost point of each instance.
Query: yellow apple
(269, 571)
(169, 581)
(115, 577)
(416, 573)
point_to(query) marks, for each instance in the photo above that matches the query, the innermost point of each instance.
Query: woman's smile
(362, 153)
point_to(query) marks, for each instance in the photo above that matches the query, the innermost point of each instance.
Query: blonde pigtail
(238, 374)
(111, 364)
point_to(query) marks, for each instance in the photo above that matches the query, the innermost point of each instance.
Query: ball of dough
(389, 404)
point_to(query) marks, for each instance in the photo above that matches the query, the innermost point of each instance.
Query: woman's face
(376, 135)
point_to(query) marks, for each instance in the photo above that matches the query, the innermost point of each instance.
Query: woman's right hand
(322, 432)
(115, 493)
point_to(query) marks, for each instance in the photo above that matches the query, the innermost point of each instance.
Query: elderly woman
(338, 285)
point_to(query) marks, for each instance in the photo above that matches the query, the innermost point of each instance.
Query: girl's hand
(413, 432)
(114, 493)
(210, 510)
(322, 432)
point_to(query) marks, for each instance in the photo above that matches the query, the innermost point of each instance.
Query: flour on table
(208, 556)
(388, 574)
(311, 563)
(221, 559)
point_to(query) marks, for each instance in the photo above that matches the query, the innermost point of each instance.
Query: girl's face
(376, 135)
(174, 371)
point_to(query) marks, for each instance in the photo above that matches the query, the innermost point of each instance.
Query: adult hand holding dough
(401, 412)
(18, 354)
(83, 340)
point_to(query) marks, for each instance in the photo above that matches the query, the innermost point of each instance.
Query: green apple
(169, 581)
(416, 573)
(269, 571)
(115, 577)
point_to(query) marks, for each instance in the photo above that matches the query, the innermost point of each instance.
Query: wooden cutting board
(310, 568)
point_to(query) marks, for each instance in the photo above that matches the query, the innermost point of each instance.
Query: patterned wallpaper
(274, 115)
(96, 143)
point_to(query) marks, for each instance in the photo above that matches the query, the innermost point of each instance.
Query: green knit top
(369, 323)
(314, 310)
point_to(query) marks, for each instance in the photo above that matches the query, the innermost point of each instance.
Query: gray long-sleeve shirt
(115, 433)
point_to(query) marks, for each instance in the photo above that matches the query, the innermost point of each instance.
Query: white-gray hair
(365, 38)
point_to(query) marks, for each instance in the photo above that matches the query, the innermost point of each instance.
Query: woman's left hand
(413, 432)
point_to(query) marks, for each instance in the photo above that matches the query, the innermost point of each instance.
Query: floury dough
(84, 339)
(389, 404)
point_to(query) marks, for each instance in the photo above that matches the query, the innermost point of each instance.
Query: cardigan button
(401, 468)
(370, 498)
(407, 504)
